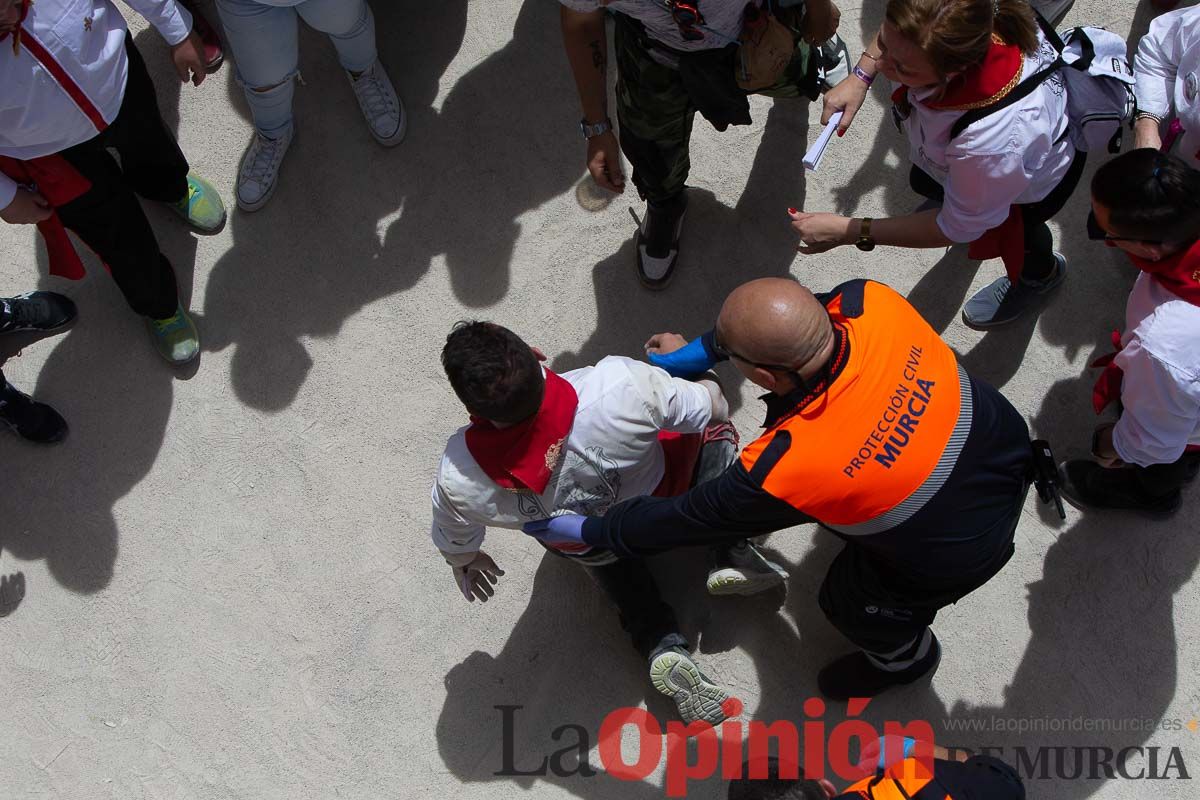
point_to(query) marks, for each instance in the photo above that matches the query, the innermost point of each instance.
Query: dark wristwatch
(591, 130)
(865, 242)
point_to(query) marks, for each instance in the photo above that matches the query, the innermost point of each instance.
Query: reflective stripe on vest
(906, 780)
(873, 449)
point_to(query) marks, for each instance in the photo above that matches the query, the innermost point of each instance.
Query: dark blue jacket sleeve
(731, 506)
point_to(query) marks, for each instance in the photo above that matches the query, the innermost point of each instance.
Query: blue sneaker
(175, 337)
(202, 207)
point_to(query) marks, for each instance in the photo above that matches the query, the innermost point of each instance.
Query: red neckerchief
(1179, 275)
(17, 31)
(523, 456)
(59, 183)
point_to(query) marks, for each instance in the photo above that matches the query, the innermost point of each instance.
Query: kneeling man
(541, 444)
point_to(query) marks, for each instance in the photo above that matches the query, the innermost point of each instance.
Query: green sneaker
(202, 208)
(175, 337)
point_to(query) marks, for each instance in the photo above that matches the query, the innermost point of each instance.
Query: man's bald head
(775, 321)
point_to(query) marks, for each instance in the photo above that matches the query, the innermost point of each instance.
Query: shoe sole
(724, 583)
(397, 137)
(696, 698)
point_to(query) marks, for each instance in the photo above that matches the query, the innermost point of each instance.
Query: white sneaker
(380, 105)
(674, 674)
(742, 569)
(260, 170)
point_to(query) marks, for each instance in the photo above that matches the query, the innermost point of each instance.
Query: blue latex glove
(563, 529)
(690, 361)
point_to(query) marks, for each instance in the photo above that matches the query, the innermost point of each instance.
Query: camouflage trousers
(655, 113)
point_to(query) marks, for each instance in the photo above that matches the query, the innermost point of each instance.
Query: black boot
(855, 676)
(30, 420)
(657, 241)
(43, 312)
(1087, 485)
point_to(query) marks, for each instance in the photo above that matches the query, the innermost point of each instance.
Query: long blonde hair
(956, 34)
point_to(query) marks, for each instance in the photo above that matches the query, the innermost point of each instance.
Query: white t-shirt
(1161, 388)
(1167, 69)
(612, 453)
(722, 20)
(86, 40)
(1016, 155)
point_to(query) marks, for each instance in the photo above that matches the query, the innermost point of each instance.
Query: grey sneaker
(259, 170)
(175, 337)
(674, 674)
(381, 106)
(742, 569)
(1000, 303)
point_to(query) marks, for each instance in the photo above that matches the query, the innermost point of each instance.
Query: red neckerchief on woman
(1180, 275)
(978, 87)
(16, 45)
(523, 456)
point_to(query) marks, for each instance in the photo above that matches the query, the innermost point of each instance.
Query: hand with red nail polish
(821, 232)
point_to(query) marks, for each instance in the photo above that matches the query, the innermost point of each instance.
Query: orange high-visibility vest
(905, 780)
(870, 451)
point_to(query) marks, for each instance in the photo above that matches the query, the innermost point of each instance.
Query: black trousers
(882, 609)
(108, 218)
(1161, 480)
(644, 615)
(1039, 244)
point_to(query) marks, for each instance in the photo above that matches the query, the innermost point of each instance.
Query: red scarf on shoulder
(1180, 275)
(522, 457)
(981, 85)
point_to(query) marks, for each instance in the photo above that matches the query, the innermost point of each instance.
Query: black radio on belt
(1045, 475)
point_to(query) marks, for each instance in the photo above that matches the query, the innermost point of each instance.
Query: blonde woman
(996, 183)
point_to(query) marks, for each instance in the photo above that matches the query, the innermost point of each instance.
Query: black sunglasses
(1098, 234)
(725, 352)
(688, 18)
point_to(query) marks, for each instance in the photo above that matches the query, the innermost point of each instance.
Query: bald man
(874, 431)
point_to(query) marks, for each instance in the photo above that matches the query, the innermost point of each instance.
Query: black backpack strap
(1024, 88)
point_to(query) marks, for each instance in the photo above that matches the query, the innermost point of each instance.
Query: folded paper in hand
(812, 159)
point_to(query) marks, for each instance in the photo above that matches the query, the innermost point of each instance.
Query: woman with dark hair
(993, 184)
(1148, 204)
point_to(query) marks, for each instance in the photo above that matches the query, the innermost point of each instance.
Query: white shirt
(87, 39)
(1160, 391)
(1167, 69)
(612, 453)
(1016, 155)
(722, 20)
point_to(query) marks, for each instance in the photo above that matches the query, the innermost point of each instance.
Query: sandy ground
(229, 590)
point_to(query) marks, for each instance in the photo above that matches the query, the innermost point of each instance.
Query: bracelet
(868, 55)
(1147, 115)
(862, 75)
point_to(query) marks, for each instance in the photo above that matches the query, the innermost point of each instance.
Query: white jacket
(1160, 391)
(86, 39)
(611, 454)
(1016, 155)
(1167, 69)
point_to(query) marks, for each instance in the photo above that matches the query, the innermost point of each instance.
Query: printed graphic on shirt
(589, 484)
(898, 424)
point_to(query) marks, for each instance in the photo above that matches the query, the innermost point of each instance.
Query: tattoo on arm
(599, 58)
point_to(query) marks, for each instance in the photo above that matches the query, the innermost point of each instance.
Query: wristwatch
(593, 129)
(865, 242)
